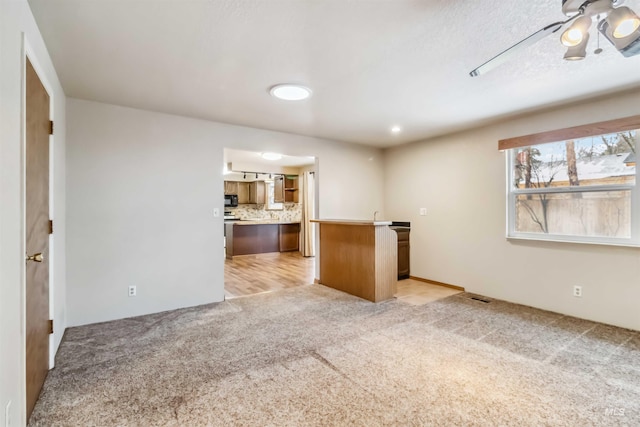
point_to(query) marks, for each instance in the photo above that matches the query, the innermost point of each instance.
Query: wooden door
(37, 235)
(289, 237)
(278, 189)
(252, 193)
(260, 189)
(243, 193)
(230, 187)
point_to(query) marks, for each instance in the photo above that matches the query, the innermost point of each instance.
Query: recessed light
(290, 92)
(396, 129)
(271, 156)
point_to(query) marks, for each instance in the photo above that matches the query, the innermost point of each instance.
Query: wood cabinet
(255, 239)
(256, 192)
(289, 237)
(359, 257)
(247, 239)
(230, 187)
(278, 189)
(243, 193)
(248, 192)
(291, 188)
(403, 253)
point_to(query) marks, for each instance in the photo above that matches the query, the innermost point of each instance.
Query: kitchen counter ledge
(258, 222)
(351, 222)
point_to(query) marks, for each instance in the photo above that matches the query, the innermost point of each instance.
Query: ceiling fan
(619, 24)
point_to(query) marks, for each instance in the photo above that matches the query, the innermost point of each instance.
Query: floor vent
(481, 300)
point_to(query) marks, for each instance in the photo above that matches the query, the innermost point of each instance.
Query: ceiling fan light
(579, 51)
(626, 27)
(627, 38)
(571, 37)
(623, 22)
(574, 35)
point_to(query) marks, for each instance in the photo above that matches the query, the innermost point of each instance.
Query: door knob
(35, 257)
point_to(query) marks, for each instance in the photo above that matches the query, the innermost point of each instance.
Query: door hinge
(50, 127)
(50, 326)
(50, 226)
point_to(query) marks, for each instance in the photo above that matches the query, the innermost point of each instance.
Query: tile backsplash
(291, 212)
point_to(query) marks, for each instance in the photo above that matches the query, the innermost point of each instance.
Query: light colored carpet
(313, 356)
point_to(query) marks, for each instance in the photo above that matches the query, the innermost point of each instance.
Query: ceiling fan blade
(506, 55)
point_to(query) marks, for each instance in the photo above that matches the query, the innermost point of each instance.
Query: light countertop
(351, 222)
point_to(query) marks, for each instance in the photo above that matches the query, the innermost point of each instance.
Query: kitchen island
(260, 236)
(359, 257)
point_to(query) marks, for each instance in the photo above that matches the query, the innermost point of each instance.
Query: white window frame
(513, 192)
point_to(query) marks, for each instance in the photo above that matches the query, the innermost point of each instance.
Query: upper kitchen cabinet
(291, 188)
(256, 192)
(230, 187)
(278, 189)
(243, 193)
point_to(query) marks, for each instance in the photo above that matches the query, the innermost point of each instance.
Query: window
(578, 189)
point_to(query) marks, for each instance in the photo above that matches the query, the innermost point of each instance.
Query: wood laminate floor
(254, 274)
(416, 292)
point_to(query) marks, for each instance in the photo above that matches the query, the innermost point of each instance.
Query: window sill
(579, 242)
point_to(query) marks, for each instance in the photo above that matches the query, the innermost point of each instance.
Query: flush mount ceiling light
(290, 92)
(271, 156)
(620, 25)
(396, 129)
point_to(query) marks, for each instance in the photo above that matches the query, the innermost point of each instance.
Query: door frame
(28, 52)
(316, 200)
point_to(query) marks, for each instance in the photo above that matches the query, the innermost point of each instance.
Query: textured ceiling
(371, 64)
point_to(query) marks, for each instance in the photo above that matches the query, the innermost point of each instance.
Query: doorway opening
(268, 240)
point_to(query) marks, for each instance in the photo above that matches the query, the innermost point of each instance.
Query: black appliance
(230, 200)
(402, 228)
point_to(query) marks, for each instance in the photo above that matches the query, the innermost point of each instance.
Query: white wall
(141, 189)
(460, 179)
(17, 21)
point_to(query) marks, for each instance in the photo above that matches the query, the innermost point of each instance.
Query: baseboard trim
(434, 282)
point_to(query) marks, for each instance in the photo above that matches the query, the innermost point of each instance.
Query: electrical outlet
(423, 211)
(7, 415)
(132, 291)
(216, 212)
(577, 291)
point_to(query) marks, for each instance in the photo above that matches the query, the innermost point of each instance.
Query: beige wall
(460, 179)
(141, 189)
(17, 24)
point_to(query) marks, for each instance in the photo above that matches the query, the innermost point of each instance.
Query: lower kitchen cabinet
(403, 253)
(289, 237)
(255, 239)
(247, 239)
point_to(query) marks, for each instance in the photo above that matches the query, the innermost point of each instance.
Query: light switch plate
(216, 212)
(423, 211)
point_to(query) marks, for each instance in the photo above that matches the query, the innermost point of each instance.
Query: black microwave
(230, 200)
